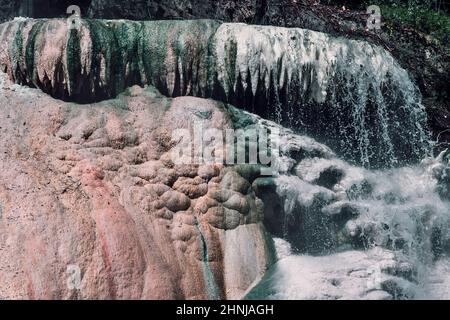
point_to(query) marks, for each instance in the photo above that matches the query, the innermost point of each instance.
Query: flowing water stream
(348, 232)
(365, 214)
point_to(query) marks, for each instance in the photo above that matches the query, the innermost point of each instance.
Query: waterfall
(348, 94)
(354, 233)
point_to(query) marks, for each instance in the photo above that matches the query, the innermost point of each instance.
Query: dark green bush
(437, 24)
(430, 17)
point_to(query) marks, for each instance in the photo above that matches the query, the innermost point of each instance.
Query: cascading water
(351, 95)
(353, 233)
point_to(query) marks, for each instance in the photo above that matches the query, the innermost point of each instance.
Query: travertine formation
(95, 187)
(94, 59)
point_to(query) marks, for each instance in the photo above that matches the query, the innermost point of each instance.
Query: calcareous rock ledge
(303, 79)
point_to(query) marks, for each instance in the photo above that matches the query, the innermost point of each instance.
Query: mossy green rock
(102, 58)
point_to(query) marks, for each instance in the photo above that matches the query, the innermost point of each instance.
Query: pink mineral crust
(95, 186)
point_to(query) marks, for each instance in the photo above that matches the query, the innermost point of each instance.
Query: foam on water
(353, 233)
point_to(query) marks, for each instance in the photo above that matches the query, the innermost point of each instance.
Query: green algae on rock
(104, 57)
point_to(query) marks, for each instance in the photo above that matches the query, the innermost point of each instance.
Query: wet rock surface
(351, 275)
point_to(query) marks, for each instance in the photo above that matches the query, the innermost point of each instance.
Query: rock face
(95, 187)
(299, 78)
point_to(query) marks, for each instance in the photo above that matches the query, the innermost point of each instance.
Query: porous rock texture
(96, 186)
